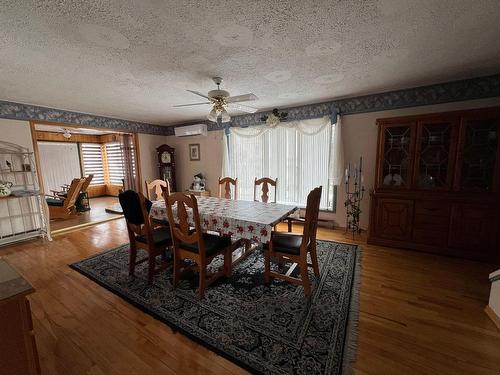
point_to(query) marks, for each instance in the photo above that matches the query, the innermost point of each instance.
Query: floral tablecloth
(239, 219)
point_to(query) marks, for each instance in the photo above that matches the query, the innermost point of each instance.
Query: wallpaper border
(468, 89)
(28, 112)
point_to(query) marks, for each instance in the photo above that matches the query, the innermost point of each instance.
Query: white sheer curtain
(300, 154)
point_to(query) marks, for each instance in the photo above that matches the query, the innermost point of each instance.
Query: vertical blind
(92, 162)
(299, 161)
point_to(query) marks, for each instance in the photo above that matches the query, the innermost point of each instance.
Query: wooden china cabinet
(166, 164)
(437, 185)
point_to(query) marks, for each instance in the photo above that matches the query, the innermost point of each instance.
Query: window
(114, 156)
(92, 162)
(116, 165)
(299, 159)
(96, 156)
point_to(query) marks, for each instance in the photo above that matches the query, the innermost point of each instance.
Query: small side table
(196, 193)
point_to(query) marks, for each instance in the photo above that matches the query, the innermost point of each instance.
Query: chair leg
(151, 267)
(228, 262)
(267, 267)
(132, 259)
(203, 281)
(177, 271)
(314, 260)
(305, 277)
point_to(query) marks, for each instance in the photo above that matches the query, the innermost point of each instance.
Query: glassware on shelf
(396, 155)
(434, 152)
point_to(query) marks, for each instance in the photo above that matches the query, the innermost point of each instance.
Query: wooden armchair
(141, 234)
(63, 207)
(192, 243)
(285, 246)
(265, 182)
(226, 183)
(82, 201)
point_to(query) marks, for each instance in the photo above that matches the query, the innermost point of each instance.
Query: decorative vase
(5, 188)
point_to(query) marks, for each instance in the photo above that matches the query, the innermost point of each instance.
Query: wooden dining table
(238, 219)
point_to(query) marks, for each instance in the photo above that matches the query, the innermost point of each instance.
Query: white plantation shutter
(115, 163)
(92, 162)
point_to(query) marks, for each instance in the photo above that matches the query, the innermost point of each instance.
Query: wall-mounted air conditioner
(191, 130)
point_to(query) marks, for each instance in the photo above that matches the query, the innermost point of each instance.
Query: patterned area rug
(263, 329)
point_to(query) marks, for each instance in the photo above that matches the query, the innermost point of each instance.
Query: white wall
(149, 158)
(359, 137)
(210, 164)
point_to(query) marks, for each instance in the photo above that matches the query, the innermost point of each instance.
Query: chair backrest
(265, 182)
(178, 205)
(73, 192)
(311, 220)
(225, 187)
(155, 187)
(87, 182)
(136, 212)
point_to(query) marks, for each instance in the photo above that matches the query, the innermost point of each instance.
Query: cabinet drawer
(432, 208)
(431, 223)
(430, 237)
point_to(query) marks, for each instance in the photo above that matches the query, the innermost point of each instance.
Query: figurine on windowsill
(198, 183)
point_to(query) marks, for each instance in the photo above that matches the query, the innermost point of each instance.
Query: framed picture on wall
(194, 152)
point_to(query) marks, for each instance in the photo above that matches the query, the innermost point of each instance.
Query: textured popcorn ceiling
(135, 59)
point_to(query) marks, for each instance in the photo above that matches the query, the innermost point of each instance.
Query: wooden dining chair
(141, 233)
(285, 246)
(225, 188)
(64, 207)
(265, 182)
(192, 244)
(154, 190)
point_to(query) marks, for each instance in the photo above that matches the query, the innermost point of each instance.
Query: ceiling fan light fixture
(212, 116)
(225, 116)
(66, 133)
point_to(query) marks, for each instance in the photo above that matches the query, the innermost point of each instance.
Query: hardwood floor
(419, 314)
(97, 213)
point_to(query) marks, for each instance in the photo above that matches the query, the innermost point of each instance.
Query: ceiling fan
(220, 100)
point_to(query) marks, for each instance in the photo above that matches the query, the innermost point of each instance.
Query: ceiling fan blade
(243, 108)
(187, 105)
(241, 98)
(200, 94)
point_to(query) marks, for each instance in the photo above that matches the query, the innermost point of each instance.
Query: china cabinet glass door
(397, 156)
(435, 154)
(480, 152)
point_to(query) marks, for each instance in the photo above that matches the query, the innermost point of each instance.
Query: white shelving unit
(23, 213)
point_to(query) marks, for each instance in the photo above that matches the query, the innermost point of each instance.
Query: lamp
(212, 116)
(225, 116)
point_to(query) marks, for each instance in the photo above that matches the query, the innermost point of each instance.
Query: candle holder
(355, 192)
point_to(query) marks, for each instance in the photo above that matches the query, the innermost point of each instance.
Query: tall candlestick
(354, 192)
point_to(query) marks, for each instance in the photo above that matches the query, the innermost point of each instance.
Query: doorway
(103, 161)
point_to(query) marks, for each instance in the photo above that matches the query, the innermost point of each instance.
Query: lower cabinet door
(394, 218)
(474, 231)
